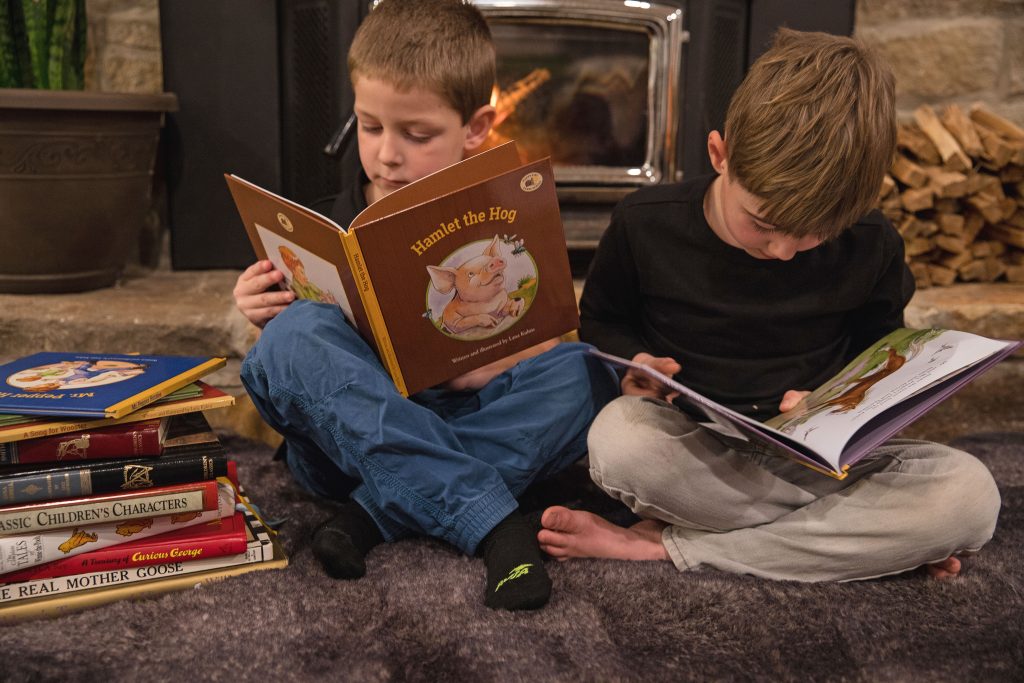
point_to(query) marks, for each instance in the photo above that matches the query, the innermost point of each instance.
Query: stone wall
(944, 51)
(124, 46)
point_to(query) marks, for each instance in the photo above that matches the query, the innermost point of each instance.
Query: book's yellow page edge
(160, 390)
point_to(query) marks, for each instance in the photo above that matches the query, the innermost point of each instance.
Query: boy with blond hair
(752, 286)
(447, 462)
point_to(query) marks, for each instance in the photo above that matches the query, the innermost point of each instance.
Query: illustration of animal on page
(482, 288)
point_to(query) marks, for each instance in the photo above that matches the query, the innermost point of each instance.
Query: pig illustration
(481, 299)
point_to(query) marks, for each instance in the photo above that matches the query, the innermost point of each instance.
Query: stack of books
(113, 484)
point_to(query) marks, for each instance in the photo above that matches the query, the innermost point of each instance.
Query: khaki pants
(739, 509)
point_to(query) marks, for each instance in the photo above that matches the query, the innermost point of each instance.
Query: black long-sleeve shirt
(745, 330)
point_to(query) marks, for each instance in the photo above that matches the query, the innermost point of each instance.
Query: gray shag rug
(418, 614)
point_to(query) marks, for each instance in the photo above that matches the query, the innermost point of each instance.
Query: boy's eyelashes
(418, 138)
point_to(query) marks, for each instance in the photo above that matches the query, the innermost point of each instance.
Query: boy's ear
(479, 127)
(716, 152)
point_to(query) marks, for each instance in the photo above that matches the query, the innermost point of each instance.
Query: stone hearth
(192, 313)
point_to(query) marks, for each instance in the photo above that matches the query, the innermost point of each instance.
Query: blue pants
(446, 464)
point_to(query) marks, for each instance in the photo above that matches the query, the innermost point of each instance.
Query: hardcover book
(208, 398)
(18, 552)
(192, 390)
(136, 439)
(109, 507)
(217, 538)
(77, 479)
(888, 386)
(456, 270)
(61, 595)
(94, 385)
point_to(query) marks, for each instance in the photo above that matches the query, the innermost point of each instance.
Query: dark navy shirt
(745, 330)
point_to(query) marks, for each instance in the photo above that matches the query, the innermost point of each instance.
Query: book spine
(24, 519)
(256, 551)
(78, 582)
(53, 484)
(54, 427)
(224, 539)
(28, 550)
(160, 390)
(140, 439)
(378, 330)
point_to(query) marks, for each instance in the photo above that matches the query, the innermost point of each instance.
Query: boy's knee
(623, 429)
(963, 500)
(974, 499)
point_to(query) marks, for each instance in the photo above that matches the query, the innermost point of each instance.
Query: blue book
(94, 385)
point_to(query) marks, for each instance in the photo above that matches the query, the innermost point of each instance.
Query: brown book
(459, 269)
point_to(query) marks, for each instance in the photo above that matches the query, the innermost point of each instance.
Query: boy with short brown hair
(748, 285)
(450, 461)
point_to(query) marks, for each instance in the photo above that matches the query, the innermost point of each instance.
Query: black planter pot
(75, 181)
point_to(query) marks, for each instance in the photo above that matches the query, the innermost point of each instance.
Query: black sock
(342, 543)
(516, 579)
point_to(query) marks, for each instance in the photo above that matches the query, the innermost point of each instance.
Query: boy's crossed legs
(911, 504)
(450, 468)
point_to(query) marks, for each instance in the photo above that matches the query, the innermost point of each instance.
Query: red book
(118, 441)
(223, 537)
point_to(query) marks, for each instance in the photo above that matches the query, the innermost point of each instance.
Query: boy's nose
(389, 152)
(782, 249)
(785, 248)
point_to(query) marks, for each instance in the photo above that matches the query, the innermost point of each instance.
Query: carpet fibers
(418, 614)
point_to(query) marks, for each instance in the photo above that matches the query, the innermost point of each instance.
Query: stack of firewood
(956, 193)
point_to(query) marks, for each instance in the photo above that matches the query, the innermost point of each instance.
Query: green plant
(42, 44)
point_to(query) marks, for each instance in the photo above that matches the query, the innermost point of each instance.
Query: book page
(897, 367)
(307, 275)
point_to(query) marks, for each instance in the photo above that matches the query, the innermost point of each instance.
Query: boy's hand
(252, 296)
(791, 399)
(476, 379)
(636, 383)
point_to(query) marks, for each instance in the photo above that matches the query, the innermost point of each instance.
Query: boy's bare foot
(947, 569)
(576, 533)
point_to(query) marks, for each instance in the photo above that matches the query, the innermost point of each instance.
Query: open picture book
(454, 271)
(889, 385)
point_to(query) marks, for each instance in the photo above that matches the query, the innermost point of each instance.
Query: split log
(955, 192)
(949, 149)
(910, 138)
(997, 123)
(909, 173)
(960, 125)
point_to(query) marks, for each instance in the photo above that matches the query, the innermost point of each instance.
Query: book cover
(18, 552)
(191, 390)
(77, 512)
(94, 385)
(54, 597)
(885, 388)
(123, 440)
(454, 271)
(220, 537)
(74, 480)
(209, 398)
